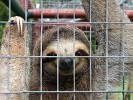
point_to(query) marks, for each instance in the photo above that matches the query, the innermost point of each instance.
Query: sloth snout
(66, 64)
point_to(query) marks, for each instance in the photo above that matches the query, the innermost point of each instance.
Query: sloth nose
(66, 64)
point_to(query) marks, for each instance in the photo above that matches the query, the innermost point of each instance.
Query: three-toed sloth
(60, 63)
(62, 66)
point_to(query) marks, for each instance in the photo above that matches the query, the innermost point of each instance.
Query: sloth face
(65, 55)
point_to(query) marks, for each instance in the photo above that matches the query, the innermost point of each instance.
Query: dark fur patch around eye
(81, 52)
(50, 59)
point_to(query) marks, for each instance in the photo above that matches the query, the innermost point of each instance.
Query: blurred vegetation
(4, 16)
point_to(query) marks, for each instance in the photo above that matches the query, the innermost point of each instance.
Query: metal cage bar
(55, 17)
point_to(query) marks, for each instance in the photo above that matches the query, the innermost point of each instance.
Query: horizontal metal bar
(64, 13)
(53, 13)
(66, 56)
(71, 23)
(111, 91)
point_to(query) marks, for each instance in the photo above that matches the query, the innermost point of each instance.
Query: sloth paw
(19, 21)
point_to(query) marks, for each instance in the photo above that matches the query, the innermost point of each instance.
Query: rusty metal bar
(65, 13)
(52, 13)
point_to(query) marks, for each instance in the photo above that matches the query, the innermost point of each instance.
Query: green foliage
(4, 16)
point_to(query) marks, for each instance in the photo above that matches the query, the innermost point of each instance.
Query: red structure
(23, 6)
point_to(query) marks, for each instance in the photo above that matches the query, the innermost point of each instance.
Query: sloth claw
(19, 21)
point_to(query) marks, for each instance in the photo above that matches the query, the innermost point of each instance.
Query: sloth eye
(81, 52)
(51, 54)
(50, 59)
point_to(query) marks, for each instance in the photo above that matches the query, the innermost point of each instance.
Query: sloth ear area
(50, 57)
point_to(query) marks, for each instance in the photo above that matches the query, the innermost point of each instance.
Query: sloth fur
(14, 70)
(114, 34)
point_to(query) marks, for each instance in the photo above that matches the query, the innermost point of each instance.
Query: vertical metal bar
(41, 1)
(25, 63)
(90, 50)
(107, 49)
(8, 60)
(123, 61)
(74, 85)
(58, 63)
(74, 7)
(58, 50)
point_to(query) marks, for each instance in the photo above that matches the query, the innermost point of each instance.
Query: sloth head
(63, 48)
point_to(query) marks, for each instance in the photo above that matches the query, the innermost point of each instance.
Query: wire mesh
(97, 62)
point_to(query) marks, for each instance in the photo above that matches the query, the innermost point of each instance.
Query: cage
(93, 37)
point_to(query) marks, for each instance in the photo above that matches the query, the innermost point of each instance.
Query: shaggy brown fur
(120, 43)
(49, 71)
(12, 70)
